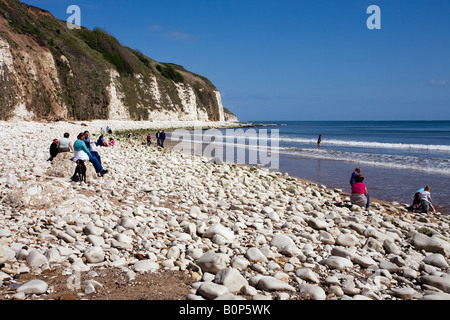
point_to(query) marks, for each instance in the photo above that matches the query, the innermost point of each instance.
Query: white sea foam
(428, 158)
(430, 165)
(370, 144)
(405, 162)
(351, 143)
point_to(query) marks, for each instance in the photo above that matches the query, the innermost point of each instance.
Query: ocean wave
(415, 163)
(370, 144)
(254, 135)
(431, 165)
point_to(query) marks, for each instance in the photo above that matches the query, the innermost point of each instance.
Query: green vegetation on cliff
(84, 59)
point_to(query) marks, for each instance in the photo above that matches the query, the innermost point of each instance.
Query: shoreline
(234, 232)
(391, 206)
(171, 144)
(142, 127)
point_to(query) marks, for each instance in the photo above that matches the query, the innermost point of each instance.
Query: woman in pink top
(360, 196)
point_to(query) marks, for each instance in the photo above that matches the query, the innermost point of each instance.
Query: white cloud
(174, 35)
(178, 35)
(438, 83)
(155, 27)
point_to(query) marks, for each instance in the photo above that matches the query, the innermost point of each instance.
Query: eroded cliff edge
(48, 71)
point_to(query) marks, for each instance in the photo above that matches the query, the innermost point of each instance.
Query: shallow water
(382, 183)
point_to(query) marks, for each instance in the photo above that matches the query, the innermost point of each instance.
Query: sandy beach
(167, 222)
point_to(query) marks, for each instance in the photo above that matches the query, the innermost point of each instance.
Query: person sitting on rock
(359, 195)
(101, 142)
(65, 145)
(87, 142)
(81, 152)
(54, 149)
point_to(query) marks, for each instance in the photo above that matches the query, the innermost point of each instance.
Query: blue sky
(294, 60)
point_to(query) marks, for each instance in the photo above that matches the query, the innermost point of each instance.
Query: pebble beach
(238, 232)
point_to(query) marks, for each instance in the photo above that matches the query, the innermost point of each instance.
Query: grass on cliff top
(141, 133)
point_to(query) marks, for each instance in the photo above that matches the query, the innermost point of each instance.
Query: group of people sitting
(60, 146)
(360, 196)
(102, 143)
(81, 148)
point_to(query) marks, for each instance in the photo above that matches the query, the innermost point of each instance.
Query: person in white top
(425, 200)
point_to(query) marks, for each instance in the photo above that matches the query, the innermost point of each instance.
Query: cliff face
(48, 71)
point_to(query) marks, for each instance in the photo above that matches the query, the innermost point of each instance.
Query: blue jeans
(96, 155)
(96, 163)
(425, 205)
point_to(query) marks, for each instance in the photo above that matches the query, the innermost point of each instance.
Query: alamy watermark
(374, 21)
(249, 146)
(74, 21)
(74, 281)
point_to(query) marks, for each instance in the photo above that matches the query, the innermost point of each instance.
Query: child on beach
(101, 142)
(355, 173)
(425, 200)
(417, 201)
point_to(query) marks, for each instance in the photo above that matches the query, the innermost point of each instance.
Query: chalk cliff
(48, 71)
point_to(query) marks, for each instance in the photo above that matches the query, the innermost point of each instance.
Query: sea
(396, 157)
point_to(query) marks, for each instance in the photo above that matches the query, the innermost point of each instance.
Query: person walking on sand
(158, 138)
(162, 137)
(319, 141)
(130, 138)
(149, 139)
(425, 200)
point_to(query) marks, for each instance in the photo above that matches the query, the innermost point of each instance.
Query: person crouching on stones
(425, 200)
(359, 195)
(81, 152)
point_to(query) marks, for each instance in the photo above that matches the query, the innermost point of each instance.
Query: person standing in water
(319, 141)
